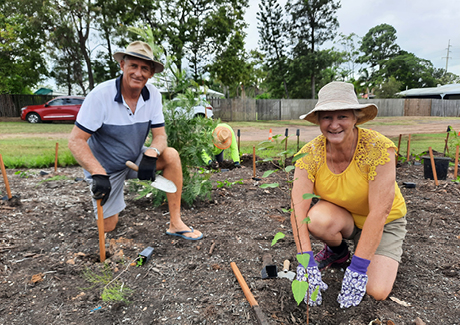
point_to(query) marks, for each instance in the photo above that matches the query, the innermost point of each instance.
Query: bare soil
(49, 237)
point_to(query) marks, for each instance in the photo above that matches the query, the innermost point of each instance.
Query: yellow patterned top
(350, 188)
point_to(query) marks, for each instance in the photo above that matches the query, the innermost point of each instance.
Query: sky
(423, 27)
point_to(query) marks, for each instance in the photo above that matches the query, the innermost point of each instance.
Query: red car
(63, 108)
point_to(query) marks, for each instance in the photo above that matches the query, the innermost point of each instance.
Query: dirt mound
(50, 241)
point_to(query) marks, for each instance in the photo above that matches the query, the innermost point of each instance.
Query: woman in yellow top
(353, 172)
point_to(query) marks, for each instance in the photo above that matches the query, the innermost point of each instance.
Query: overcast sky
(423, 27)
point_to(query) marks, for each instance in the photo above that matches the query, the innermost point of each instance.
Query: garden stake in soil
(397, 152)
(5, 178)
(408, 149)
(254, 163)
(56, 157)
(433, 167)
(298, 135)
(456, 163)
(447, 139)
(238, 134)
(100, 227)
(247, 293)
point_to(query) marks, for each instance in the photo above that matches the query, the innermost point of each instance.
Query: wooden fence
(10, 105)
(237, 109)
(291, 109)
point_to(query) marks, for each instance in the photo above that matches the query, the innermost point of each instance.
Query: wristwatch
(156, 150)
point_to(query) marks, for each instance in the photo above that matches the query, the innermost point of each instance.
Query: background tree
(273, 44)
(313, 22)
(22, 58)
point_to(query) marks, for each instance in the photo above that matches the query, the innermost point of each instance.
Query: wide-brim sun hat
(222, 137)
(140, 50)
(337, 96)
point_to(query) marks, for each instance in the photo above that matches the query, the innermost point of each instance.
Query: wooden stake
(247, 293)
(298, 135)
(5, 178)
(238, 133)
(254, 160)
(100, 226)
(399, 142)
(56, 157)
(456, 163)
(408, 149)
(445, 146)
(433, 167)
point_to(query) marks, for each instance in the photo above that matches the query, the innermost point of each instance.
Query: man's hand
(214, 165)
(354, 283)
(314, 280)
(101, 188)
(147, 168)
(237, 164)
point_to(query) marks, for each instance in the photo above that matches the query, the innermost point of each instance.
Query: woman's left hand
(354, 283)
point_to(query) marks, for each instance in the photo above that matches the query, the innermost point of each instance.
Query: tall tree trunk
(313, 88)
(285, 88)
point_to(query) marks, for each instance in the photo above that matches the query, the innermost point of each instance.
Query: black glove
(147, 168)
(101, 188)
(237, 164)
(214, 165)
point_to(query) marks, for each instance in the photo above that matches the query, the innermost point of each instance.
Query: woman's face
(337, 126)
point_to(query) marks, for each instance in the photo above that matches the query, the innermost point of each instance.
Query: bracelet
(156, 150)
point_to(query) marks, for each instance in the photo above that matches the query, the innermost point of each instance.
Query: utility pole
(447, 57)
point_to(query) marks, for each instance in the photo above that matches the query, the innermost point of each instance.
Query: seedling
(228, 184)
(24, 174)
(299, 288)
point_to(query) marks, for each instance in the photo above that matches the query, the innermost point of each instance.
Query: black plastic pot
(441, 164)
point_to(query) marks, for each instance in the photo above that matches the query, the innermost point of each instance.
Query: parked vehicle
(62, 108)
(203, 109)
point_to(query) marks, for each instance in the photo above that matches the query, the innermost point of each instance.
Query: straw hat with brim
(142, 51)
(222, 137)
(337, 96)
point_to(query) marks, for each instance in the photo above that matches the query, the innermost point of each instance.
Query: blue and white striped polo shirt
(118, 134)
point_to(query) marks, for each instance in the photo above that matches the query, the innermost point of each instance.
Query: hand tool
(100, 227)
(160, 182)
(247, 293)
(269, 270)
(286, 273)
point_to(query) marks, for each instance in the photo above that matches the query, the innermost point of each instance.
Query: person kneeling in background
(223, 138)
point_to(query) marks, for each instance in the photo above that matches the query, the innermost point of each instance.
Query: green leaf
(307, 196)
(307, 220)
(268, 173)
(286, 210)
(277, 237)
(271, 185)
(268, 159)
(303, 259)
(289, 168)
(299, 289)
(300, 155)
(314, 295)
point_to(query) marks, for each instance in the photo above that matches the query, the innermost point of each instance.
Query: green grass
(28, 128)
(35, 151)
(39, 151)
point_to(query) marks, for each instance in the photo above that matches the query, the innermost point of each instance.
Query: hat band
(140, 55)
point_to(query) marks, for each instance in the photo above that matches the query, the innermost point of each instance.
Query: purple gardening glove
(314, 280)
(354, 283)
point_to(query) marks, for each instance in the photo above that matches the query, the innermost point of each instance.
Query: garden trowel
(286, 273)
(160, 182)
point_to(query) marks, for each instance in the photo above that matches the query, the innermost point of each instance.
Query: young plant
(299, 288)
(111, 288)
(228, 184)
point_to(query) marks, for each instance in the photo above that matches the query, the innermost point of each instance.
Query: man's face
(136, 73)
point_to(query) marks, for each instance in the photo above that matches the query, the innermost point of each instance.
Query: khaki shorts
(392, 239)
